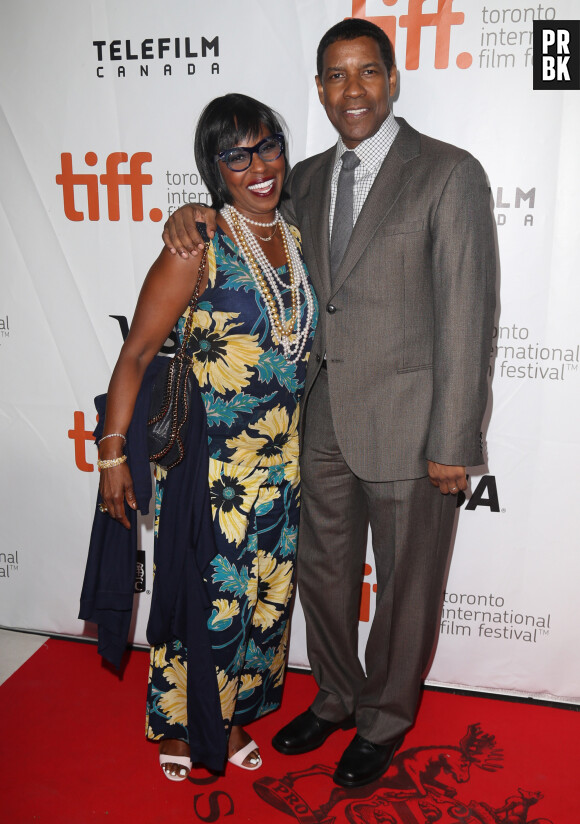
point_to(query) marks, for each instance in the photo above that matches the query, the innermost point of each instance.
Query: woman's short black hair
(224, 122)
(350, 29)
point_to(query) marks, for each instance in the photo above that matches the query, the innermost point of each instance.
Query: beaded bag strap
(192, 305)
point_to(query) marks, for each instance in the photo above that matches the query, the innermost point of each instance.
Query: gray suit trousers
(411, 525)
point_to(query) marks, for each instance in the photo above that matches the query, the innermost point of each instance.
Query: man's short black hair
(224, 122)
(349, 30)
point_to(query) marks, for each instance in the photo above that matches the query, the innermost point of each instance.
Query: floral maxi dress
(251, 394)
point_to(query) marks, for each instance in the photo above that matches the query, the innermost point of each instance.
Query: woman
(252, 331)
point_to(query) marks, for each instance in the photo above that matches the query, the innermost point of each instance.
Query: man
(394, 397)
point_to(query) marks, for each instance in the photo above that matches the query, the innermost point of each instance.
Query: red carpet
(74, 752)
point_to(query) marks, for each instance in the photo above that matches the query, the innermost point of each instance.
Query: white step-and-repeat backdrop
(98, 105)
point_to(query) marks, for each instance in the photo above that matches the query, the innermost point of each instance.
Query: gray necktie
(343, 211)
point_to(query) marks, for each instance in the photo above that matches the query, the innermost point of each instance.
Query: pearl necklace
(291, 335)
(246, 220)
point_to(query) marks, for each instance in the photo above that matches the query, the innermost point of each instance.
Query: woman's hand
(116, 487)
(180, 233)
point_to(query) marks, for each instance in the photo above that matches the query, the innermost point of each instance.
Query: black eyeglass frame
(277, 136)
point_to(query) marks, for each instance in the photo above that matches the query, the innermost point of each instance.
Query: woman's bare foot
(238, 739)
(172, 746)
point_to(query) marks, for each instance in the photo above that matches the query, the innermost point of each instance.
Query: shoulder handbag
(171, 393)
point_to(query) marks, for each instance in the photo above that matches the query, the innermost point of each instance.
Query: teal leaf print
(257, 659)
(220, 411)
(264, 507)
(276, 474)
(287, 543)
(238, 279)
(266, 708)
(273, 364)
(231, 580)
(238, 660)
(247, 690)
(251, 545)
(218, 626)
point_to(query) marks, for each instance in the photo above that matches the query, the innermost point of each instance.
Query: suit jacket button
(317, 358)
(331, 308)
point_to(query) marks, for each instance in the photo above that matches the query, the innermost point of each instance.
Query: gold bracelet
(112, 462)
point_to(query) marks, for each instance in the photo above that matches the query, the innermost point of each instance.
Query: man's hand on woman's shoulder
(180, 233)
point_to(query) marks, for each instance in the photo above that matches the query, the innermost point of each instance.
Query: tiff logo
(112, 180)
(557, 54)
(415, 20)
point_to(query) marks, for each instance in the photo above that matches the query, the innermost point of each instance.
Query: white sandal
(182, 760)
(238, 758)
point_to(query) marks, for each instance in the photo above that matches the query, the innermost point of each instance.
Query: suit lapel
(319, 195)
(393, 177)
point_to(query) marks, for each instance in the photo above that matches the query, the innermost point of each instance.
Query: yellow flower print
(266, 497)
(221, 617)
(292, 469)
(233, 490)
(270, 584)
(151, 735)
(297, 236)
(211, 267)
(292, 473)
(222, 358)
(279, 660)
(276, 440)
(158, 656)
(228, 690)
(248, 684)
(267, 494)
(159, 472)
(174, 701)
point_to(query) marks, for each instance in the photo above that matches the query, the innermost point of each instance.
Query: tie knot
(350, 161)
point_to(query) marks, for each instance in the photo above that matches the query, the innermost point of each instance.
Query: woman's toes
(253, 759)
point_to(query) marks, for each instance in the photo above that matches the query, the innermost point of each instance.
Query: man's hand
(180, 233)
(447, 478)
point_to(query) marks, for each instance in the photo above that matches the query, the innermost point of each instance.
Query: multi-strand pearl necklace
(291, 335)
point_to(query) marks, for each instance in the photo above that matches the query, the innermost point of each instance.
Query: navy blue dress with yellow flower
(251, 394)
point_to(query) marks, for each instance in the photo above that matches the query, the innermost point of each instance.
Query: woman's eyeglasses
(239, 158)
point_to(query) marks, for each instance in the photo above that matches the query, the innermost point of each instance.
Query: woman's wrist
(109, 463)
(113, 435)
(111, 446)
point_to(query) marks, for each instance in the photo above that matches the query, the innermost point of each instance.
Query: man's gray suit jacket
(406, 323)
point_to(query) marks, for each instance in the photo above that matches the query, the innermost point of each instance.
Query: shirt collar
(374, 149)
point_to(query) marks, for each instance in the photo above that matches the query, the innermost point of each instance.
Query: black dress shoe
(306, 732)
(363, 761)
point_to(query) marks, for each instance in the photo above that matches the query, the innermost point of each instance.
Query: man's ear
(393, 76)
(320, 89)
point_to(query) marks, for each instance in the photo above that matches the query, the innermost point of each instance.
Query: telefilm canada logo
(156, 56)
(557, 55)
